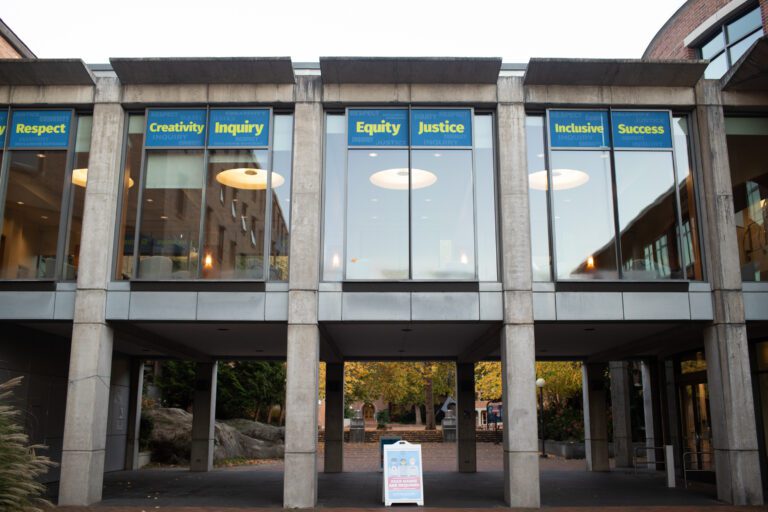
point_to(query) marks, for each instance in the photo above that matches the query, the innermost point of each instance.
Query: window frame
(67, 192)
(722, 30)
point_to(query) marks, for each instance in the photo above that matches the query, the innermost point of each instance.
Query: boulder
(258, 430)
(172, 437)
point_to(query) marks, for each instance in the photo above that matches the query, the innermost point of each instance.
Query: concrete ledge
(756, 305)
(629, 306)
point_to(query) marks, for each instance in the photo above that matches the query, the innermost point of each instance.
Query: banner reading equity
(175, 128)
(238, 127)
(40, 129)
(403, 478)
(441, 127)
(578, 129)
(377, 127)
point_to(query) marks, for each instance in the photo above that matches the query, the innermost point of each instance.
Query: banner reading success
(637, 129)
(40, 129)
(377, 127)
(403, 478)
(175, 128)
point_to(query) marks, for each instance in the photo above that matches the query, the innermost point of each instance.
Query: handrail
(639, 449)
(686, 469)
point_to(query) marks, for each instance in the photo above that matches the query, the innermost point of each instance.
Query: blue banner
(175, 128)
(239, 127)
(40, 129)
(441, 127)
(641, 129)
(578, 129)
(377, 127)
(3, 126)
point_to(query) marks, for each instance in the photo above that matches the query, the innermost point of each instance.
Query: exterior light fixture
(562, 179)
(80, 177)
(208, 261)
(397, 179)
(590, 263)
(248, 178)
(335, 261)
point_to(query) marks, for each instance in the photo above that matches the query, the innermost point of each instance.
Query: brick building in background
(11, 47)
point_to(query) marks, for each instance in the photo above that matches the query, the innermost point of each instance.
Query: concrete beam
(663, 97)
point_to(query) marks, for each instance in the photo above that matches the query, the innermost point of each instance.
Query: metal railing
(648, 461)
(688, 460)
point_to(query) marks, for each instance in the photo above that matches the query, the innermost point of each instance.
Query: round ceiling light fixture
(562, 179)
(80, 177)
(248, 178)
(397, 179)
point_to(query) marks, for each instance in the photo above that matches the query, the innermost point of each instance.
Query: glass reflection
(234, 218)
(31, 215)
(583, 216)
(281, 198)
(645, 195)
(537, 199)
(377, 217)
(442, 220)
(747, 139)
(333, 201)
(170, 217)
(485, 199)
(688, 209)
(82, 151)
(131, 169)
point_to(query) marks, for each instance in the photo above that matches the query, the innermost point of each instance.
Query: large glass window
(215, 195)
(730, 42)
(747, 139)
(419, 205)
(616, 212)
(43, 202)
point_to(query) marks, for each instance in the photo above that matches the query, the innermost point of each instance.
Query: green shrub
(19, 464)
(382, 418)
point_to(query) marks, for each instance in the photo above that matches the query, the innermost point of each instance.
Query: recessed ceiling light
(164, 217)
(438, 155)
(373, 155)
(41, 155)
(20, 203)
(44, 217)
(150, 200)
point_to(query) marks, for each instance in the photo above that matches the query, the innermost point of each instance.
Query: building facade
(395, 208)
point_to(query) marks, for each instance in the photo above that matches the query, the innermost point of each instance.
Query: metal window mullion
(410, 199)
(67, 203)
(140, 198)
(549, 199)
(203, 201)
(121, 196)
(268, 202)
(474, 197)
(615, 193)
(683, 256)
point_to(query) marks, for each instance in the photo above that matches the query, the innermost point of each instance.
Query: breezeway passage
(565, 483)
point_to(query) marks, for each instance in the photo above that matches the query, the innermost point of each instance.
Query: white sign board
(403, 479)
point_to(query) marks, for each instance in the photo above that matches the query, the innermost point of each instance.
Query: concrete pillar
(622, 421)
(85, 424)
(203, 417)
(465, 420)
(595, 418)
(134, 415)
(651, 440)
(729, 380)
(334, 418)
(300, 479)
(518, 355)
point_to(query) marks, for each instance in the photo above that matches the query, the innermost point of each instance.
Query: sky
(95, 30)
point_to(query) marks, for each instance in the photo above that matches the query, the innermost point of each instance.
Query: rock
(258, 430)
(172, 436)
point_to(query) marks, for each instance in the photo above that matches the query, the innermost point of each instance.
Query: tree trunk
(417, 410)
(430, 402)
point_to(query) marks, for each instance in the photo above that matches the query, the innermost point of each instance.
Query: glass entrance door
(697, 431)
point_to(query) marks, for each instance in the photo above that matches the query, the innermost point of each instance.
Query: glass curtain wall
(219, 211)
(747, 139)
(538, 184)
(80, 171)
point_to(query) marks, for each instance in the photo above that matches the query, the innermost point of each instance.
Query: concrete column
(518, 357)
(334, 418)
(465, 417)
(300, 480)
(203, 417)
(134, 415)
(651, 440)
(725, 340)
(622, 421)
(85, 424)
(595, 418)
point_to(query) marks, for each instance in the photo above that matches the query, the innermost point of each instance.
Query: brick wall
(668, 42)
(7, 51)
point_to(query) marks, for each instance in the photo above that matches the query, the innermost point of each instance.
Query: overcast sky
(95, 30)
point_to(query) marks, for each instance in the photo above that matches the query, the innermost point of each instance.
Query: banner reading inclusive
(175, 128)
(238, 127)
(377, 127)
(441, 127)
(641, 129)
(578, 129)
(40, 129)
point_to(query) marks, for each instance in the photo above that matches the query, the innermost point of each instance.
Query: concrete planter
(144, 459)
